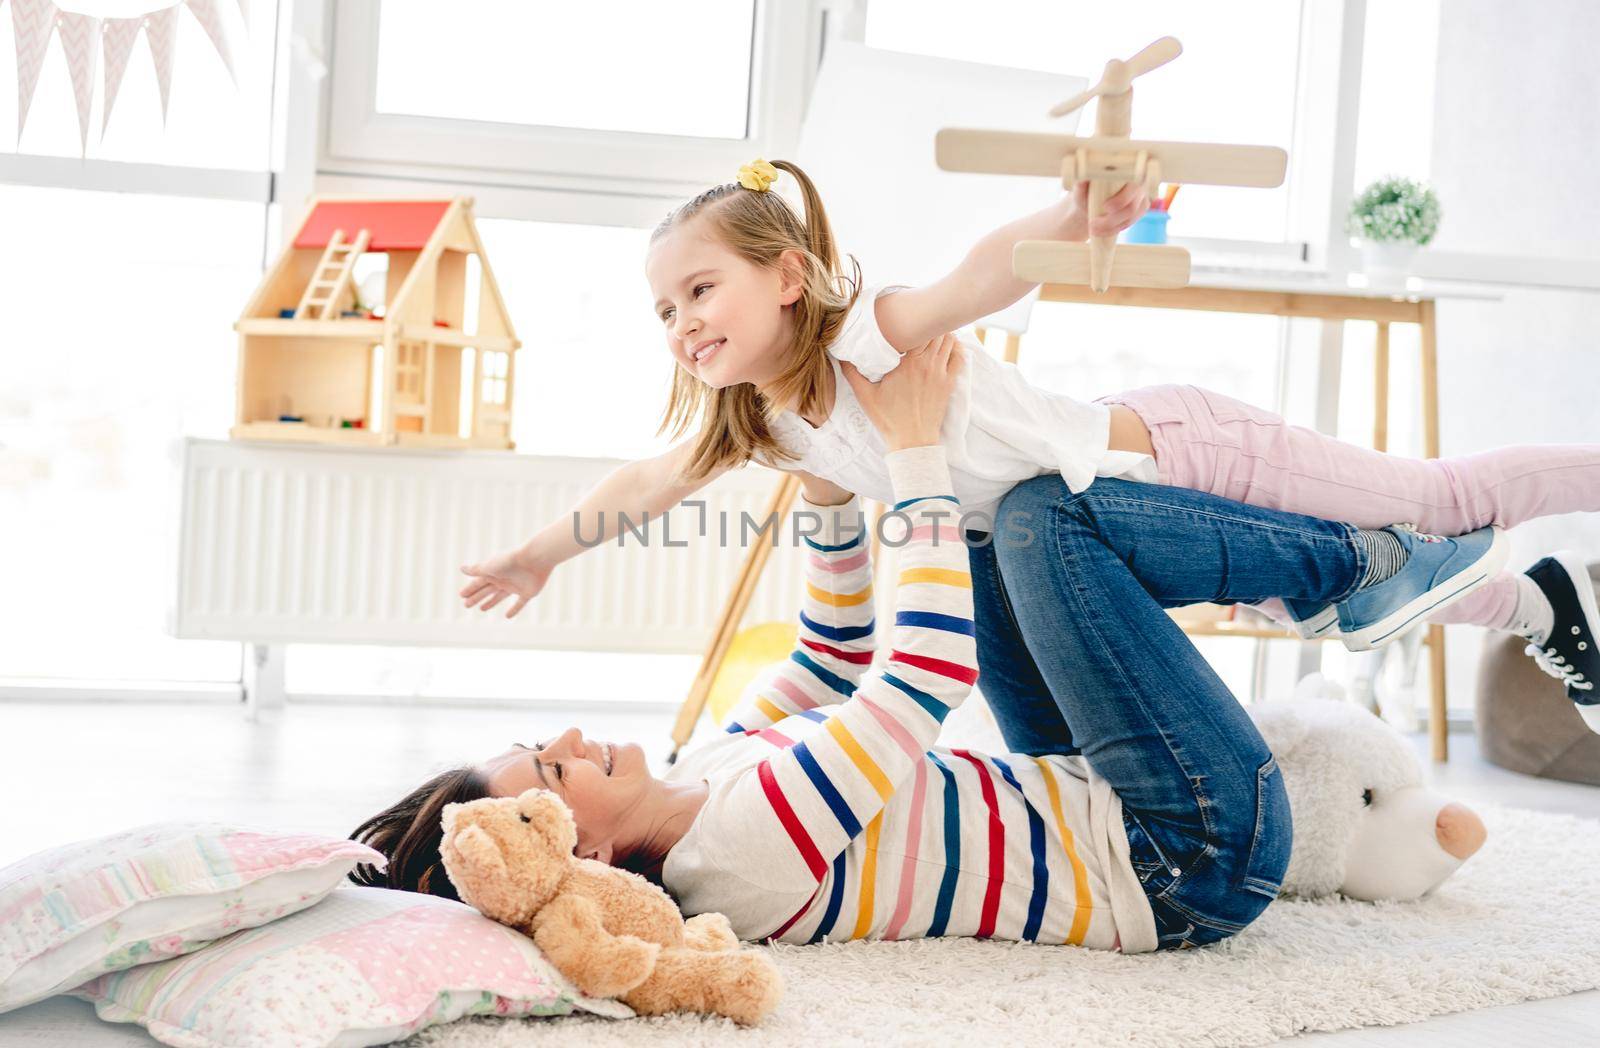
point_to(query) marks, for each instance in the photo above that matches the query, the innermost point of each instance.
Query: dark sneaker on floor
(1438, 572)
(1569, 653)
(1312, 619)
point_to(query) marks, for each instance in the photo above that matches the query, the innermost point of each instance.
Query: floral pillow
(364, 966)
(71, 913)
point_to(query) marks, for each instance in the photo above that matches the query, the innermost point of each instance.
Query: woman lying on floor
(826, 812)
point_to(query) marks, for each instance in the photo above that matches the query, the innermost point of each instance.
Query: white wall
(1516, 134)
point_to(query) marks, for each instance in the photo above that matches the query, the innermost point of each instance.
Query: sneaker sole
(1590, 715)
(1322, 624)
(1442, 596)
(1577, 570)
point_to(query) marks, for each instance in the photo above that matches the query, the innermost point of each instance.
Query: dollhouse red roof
(395, 225)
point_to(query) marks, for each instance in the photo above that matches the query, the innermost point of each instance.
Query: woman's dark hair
(408, 834)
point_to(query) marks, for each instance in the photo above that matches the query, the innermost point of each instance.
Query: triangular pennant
(79, 42)
(161, 33)
(32, 21)
(211, 21)
(119, 35)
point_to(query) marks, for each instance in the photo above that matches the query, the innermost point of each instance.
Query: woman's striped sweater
(832, 815)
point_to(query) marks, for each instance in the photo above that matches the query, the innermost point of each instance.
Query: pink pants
(1208, 442)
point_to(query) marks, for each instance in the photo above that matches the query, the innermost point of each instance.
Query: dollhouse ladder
(332, 276)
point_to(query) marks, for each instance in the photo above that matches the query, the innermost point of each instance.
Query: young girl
(772, 340)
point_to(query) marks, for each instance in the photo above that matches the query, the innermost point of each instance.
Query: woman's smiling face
(603, 783)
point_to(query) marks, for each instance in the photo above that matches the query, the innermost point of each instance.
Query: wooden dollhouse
(431, 364)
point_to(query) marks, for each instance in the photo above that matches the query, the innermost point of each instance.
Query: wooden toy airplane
(1108, 161)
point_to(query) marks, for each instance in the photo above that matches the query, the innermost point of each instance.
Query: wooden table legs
(1437, 727)
(1437, 706)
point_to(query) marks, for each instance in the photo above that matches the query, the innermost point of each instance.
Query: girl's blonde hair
(760, 226)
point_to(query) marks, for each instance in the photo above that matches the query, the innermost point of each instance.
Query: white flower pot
(1387, 258)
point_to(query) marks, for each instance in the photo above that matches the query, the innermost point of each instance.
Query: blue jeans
(1076, 655)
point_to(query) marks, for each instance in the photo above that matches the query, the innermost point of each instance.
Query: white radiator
(285, 543)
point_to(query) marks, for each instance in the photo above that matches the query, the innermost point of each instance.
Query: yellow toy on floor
(754, 648)
(613, 933)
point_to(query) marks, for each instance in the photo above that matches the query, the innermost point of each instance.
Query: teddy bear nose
(1459, 830)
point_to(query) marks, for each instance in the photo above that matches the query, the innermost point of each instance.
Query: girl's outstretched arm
(983, 283)
(645, 487)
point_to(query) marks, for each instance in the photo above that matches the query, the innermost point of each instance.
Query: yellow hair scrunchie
(758, 175)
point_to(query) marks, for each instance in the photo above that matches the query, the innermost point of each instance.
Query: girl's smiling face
(724, 317)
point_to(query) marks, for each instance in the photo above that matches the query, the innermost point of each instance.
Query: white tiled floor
(75, 770)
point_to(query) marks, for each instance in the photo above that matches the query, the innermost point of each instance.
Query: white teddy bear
(1365, 824)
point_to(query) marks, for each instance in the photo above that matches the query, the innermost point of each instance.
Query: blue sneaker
(1570, 654)
(1438, 572)
(1311, 618)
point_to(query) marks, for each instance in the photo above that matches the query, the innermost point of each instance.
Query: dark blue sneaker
(1569, 653)
(1438, 572)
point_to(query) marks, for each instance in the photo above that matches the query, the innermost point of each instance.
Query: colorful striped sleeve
(807, 801)
(835, 640)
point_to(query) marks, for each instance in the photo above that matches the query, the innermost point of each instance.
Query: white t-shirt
(999, 430)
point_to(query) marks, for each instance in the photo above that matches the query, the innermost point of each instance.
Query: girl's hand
(908, 406)
(512, 574)
(1122, 209)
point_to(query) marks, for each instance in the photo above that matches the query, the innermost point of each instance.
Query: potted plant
(1393, 217)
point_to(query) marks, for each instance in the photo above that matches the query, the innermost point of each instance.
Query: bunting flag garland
(161, 33)
(210, 16)
(93, 32)
(32, 21)
(80, 42)
(120, 33)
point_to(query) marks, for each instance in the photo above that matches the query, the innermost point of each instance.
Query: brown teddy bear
(613, 933)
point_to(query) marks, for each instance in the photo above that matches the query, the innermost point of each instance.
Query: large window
(683, 75)
(118, 342)
(631, 98)
(1399, 60)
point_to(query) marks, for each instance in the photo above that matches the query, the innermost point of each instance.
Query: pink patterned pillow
(74, 912)
(364, 966)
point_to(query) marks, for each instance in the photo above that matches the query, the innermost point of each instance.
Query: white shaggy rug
(1521, 920)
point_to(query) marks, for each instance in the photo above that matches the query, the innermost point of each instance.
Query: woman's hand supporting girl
(908, 406)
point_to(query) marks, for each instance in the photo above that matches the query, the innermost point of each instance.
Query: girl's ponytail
(819, 231)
